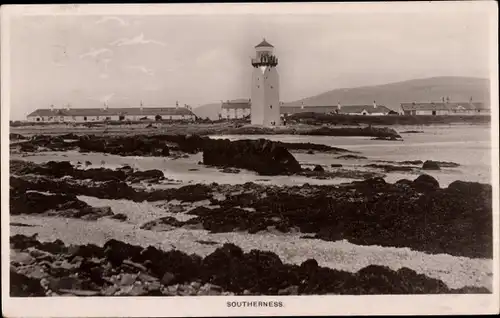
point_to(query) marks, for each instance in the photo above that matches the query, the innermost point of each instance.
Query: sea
(468, 145)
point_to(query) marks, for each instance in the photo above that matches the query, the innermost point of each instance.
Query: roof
(264, 43)
(344, 109)
(137, 111)
(443, 106)
(236, 104)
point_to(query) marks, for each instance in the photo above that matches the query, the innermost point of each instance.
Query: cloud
(136, 40)
(142, 69)
(95, 53)
(108, 19)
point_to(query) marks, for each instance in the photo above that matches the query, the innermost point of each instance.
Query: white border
(216, 305)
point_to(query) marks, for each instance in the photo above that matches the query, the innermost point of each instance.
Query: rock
(145, 278)
(86, 251)
(262, 156)
(167, 278)
(335, 165)
(390, 168)
(128, 279)
(79, 292)
(14, 136)
(310, 265)
(430, 165)
(162, 224)
(119, 216)
(22, 258)
(310, 152)
(88, 163)
(116, 252)
(318, 168)
(230, 170)
(37, 203)
(425, 182)
(149, 175)
(472, 189)
(55, 284)
(355, 157)
(135, 266)
(23, 286)
(226, 271)
(291, 290)
(110, 290)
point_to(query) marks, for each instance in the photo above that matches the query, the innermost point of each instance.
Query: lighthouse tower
(265, 101)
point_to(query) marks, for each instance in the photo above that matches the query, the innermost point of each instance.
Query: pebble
(22, 258)
(167, 278)
(127, 279)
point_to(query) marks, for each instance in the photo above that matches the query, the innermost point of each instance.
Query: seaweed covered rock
(430, 165)
(62, 205)
(425, 182)
(262, 156)
(124, 145)
(119, 268)
(23, 286)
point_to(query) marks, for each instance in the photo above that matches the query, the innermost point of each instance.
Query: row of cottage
(111, 114)
(240, 108)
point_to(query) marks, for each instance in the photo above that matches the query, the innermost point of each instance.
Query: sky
(87, 60)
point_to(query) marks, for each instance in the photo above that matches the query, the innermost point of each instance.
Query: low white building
(445, 108)
(363, 110)
(110, 114)
(234, 109)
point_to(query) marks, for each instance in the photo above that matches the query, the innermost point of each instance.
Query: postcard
(250, 159)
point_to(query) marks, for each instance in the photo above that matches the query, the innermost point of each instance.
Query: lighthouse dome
(264, 43)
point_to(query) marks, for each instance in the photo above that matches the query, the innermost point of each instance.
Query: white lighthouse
(265, 101)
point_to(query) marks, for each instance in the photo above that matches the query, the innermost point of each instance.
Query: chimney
(374, 104)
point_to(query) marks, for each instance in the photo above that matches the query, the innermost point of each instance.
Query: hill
(393, 94)
(390, 95)
(208, 110)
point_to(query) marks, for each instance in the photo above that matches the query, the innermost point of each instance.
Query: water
(466, 145)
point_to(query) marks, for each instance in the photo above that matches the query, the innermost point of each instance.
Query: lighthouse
(265, 97)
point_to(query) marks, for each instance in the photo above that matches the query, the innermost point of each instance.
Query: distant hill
(208, 110)
(393, 94)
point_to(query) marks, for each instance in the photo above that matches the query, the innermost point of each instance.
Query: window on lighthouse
(271, 106)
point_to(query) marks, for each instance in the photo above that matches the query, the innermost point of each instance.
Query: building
(445, 108)
(363, 110)
(115, 114)
(265, 100)
(239, 108)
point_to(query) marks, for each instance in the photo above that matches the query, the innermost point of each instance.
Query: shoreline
(415, 214)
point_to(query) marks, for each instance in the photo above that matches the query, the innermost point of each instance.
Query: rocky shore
(120, 269)
(221, 128)
(418, 214)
